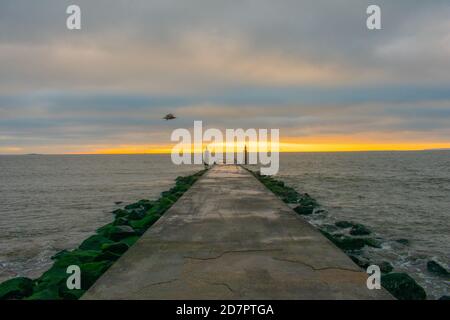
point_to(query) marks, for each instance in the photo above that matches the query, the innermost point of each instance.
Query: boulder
(385, 267)
(181, 187)
(290, 197)
(374, 243)
(103, 231)
(50, 293)
(164, 204)
(436, 268)
(344, 242)
(115, 233)
(117, 248)
(107, 256)
(120, 213)
(307, 200)
(55, 277)
(129, 241)
(17, 288)
(350, 244)
(173, 198)
(94, 243)
(188, 180)
(304, 210)
(141, 204)
(344, 224)
(91, 272)
(136, 214)
(119, 232)
(360, 230)
(59, 254)
(287, 194)
(144, 223)
(122, 221)
(444, 298)
(165, 194)
(76, 257)
(54, 280)
(403, 287)
(361, 262)
(68, 294)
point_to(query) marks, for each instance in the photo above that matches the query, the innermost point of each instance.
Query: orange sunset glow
(285, 146)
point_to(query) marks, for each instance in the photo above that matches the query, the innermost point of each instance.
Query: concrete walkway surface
(229, 237)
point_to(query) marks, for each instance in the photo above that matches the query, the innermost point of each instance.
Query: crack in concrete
(226, 285)
(314, 268)
(156, 284)
(232, 251)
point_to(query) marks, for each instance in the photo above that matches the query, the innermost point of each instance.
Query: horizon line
(168, 153)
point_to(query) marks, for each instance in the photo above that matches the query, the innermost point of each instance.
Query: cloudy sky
(308, 67)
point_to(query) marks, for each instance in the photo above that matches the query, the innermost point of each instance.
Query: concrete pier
(229, 237)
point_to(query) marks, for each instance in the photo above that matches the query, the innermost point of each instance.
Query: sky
(308, 67)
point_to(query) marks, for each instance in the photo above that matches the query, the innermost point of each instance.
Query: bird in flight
(169, 116)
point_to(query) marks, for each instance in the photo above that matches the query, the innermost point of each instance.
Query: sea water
(51, 203)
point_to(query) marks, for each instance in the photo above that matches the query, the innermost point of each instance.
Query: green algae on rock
(304, 210)
(16, 288)
(361, 262)
(286, 193)
(117, 247)
(357, 229)
(347, 243)
(343, 242)
(360, 230)
(364, 263)
(436, 268)
(306, 204)
(344, 224)
(403, 287)
(385, 267)
(94, 242)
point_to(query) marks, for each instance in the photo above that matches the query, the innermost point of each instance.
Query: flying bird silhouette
(169, 116)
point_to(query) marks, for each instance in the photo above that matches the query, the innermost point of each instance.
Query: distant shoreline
(143, 154)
